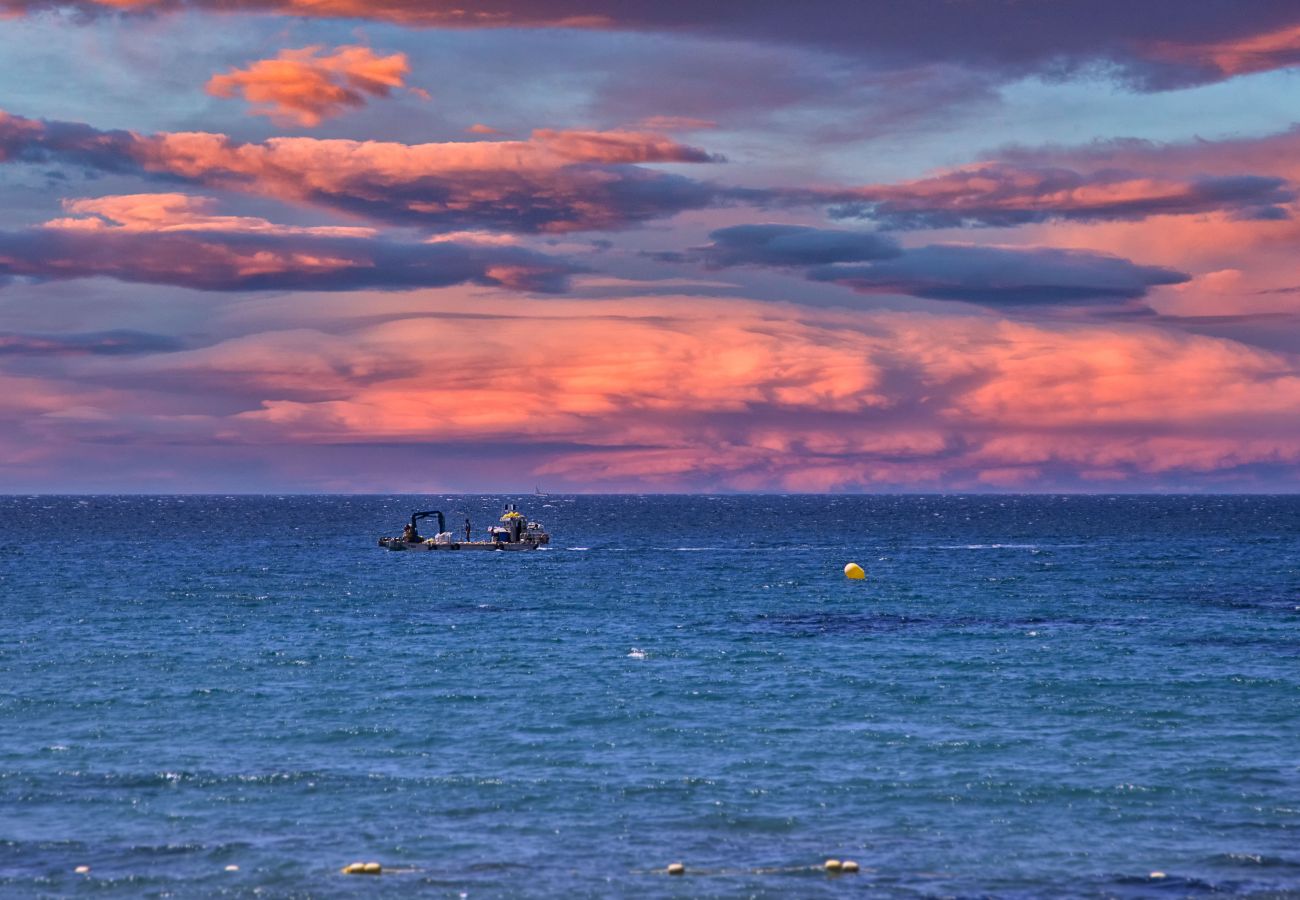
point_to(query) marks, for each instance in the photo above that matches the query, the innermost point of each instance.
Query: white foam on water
(988, 546)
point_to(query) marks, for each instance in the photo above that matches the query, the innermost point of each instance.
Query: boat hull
(454, 546)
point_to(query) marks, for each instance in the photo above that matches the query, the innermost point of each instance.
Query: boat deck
(399, 544)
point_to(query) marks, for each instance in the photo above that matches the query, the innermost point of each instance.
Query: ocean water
(1028, 697)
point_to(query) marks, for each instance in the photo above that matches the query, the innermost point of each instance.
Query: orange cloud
(1144, 380)
(697, 392)
(308, 85)
(556, 181)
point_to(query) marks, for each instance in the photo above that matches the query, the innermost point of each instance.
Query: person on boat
(468, 529)
(410, 535)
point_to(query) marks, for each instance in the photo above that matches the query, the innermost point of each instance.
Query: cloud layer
(120, 342)
(170, 239)
(709, 394)
(556, 181)
(1000, 195)
(1077, 308)
(1156, 44)
(569, 180)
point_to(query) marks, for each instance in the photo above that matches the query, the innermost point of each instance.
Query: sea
(1028, 696)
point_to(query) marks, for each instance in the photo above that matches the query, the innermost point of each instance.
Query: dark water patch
(851, 623)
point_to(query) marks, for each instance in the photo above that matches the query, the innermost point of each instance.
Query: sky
(493, 245)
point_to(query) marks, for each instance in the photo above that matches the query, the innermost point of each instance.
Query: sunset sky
(402, 245)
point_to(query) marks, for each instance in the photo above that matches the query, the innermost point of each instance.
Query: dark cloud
(1002, 276)
(91, 343)
(42, 141)
(214, 261)
(792, 245)
(555, 181)
(1153, 44)
(875, 264)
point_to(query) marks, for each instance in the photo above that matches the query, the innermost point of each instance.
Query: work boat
(513, 532)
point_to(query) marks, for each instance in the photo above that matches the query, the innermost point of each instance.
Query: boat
(514, 531)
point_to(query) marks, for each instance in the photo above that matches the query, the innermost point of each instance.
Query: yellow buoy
(833, 865)
(855, 572)
(356, 868)
(372, 868)
(676, 869)
(82, 870)
(848, 866)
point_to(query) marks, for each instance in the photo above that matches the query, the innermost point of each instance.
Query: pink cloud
(174, 212)
(556, 181)
(1239, 266)
(1272, 154)
(1259, 52)
(676, 123)
(308, 85)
